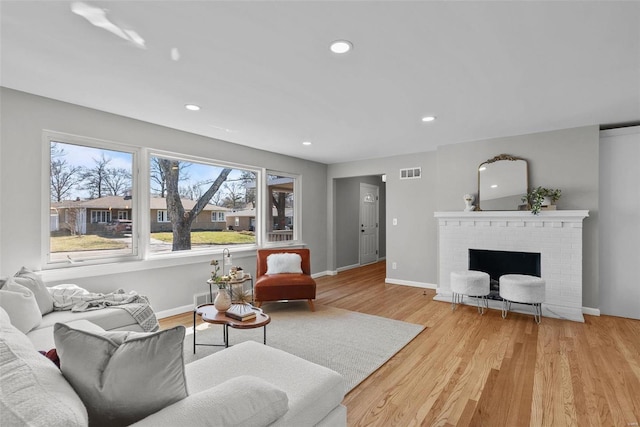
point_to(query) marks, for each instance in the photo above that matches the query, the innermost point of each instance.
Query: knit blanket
(74, 298)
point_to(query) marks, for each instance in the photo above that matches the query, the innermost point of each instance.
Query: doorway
(369, 214)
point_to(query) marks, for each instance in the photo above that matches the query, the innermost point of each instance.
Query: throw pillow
(32, 281)
(243, 401)
(122, 376)
(21, 306)
(284, 263)
(33, 391)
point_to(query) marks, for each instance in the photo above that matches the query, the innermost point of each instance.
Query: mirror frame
(502, 157)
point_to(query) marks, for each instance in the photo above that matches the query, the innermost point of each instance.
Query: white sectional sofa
(249, 384)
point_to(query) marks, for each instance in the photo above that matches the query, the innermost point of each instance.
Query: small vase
(222, 301)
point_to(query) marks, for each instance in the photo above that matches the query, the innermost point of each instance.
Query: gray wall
(169, 283)
(412, 244)
(565, 159)
(348, 215)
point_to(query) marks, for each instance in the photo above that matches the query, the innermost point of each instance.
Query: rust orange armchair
(284, 286)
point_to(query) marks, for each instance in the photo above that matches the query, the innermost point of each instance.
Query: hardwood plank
(470, 370)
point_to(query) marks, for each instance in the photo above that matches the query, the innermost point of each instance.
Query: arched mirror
(502, 182)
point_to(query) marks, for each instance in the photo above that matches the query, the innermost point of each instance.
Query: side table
(231, 283)
(209, 314)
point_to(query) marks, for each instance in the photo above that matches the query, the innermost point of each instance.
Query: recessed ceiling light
(428, 118)
(341, 46)
(494, 186)
(192, 107)
(306, 142)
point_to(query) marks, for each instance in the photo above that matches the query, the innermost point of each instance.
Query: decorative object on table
(468, 200)
(236, 273)
(222, 301)
(541, 197)
(241, 296)
(241, 312)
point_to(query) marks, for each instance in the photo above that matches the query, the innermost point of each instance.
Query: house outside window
(217, 217)
(123, 214)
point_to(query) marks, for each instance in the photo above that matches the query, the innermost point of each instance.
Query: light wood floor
(470, 370)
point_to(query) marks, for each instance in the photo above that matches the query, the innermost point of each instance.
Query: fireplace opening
(498, 263)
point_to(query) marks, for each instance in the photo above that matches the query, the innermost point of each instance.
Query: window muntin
(90, 184)
(193, 191)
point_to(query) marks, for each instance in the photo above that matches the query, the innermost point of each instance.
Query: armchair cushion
(284, 263)
(243, 401)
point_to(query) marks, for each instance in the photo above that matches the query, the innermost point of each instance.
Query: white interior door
(619, 222)
(368, 223)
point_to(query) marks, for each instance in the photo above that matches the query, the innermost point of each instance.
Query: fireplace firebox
(498, 263)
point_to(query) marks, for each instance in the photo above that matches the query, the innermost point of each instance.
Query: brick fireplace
(556, 235)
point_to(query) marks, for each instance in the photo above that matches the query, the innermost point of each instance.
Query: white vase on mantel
(222, 301)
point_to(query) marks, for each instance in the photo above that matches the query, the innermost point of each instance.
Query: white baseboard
(410, 283)
(173, 311)
(323, 273)
(591, 311)
(347, 267)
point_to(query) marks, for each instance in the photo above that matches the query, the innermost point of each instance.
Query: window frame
(165, 216)
(140, 206)
(259, 173)
(297, 209)
(49, 136)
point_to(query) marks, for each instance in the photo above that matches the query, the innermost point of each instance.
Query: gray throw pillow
(32, 281)
(122, 376)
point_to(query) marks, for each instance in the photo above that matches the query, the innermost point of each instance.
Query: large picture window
(197, 199)
(193, 204)
(90, 188)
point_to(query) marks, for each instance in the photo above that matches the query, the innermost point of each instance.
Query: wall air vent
(203, 298)
(411, 173)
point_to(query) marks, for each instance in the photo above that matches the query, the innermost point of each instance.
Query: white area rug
(353, 344)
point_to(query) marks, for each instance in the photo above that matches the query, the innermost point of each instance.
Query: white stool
(522, 289)
(470, 283)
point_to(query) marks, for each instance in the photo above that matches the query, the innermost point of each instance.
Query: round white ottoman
(522, 289)
(470, 283)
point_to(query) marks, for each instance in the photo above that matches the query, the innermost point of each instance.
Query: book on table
(241, 312)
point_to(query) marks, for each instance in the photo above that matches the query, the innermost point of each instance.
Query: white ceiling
(264, 77)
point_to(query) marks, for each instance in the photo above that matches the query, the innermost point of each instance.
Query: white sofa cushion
(32, 281)
(242, 401)
(313, 390)
(284, 263)
(122, 376)
(42, 338)
(109, 318)
(33, 391)
(21, 305)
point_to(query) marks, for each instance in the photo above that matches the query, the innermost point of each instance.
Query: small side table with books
(253, 318)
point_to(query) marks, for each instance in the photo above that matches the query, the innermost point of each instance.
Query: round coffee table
(209, 314)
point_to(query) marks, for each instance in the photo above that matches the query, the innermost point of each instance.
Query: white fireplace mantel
(556, 235)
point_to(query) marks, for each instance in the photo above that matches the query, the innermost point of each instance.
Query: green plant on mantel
(536, 196)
